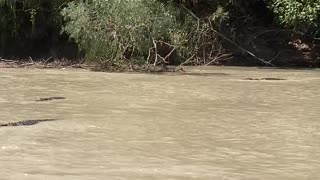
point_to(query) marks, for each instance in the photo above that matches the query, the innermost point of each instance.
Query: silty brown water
(217, 125)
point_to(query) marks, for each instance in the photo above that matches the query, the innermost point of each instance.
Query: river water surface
(212, 125)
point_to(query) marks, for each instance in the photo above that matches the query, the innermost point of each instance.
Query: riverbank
(42, 64)
(80, 64)
(123, 66)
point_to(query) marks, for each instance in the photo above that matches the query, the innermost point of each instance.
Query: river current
(210, 124)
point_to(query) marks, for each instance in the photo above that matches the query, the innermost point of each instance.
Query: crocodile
(26, 122)
(50, 98)
(268, 79)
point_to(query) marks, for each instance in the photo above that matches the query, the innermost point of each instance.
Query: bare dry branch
(149, 55)
(219, 57)
(156, 52)
(168, 55)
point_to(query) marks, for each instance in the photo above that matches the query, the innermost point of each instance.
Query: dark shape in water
(50, 98)
(203, 74)
(269, 79)
(27, 122)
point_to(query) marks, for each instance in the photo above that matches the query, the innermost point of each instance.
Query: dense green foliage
(304, 14)
(113, 29)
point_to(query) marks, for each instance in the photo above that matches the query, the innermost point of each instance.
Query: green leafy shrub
(127, 29)
(302, 14)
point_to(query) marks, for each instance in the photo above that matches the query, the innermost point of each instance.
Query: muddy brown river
(214, 123)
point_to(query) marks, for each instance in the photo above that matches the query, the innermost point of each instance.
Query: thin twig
(149, 54)
(168, 55)
(30, 58)
(162, 58)
(218, 58)
(275, 57)
(8, 60)
(26, 64)
(48, 59)
(156, 52)
(165, 43)
(192, 14)
(186, 61)
(241, 48)
(226, 38)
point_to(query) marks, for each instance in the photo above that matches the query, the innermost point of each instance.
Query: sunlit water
(150, 126)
